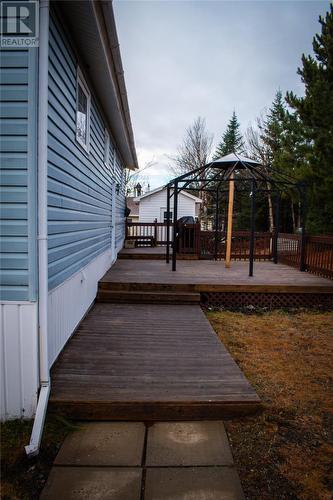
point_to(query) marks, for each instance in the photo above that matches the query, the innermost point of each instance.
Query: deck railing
(146, 230)
(240, 245)
(318, 253)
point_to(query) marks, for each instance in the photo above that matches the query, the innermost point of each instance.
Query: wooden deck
(145, 361)
(210, 275)
(148, 362)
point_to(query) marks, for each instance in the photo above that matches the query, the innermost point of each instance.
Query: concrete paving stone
(104, 443)
(188, 443)
(193, 483)
(92, 483)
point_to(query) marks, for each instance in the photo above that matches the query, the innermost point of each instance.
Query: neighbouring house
(133, 205)
(66, 140)
(153, 205)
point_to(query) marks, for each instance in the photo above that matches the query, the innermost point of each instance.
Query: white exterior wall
(69, 302)
(150, 206)
(19, 359)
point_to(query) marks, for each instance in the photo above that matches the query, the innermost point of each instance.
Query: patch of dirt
(286, 452)
(23, 478)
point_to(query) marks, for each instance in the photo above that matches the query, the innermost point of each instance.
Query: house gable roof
(161, 188)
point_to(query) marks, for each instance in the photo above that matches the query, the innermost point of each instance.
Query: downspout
(44, 373)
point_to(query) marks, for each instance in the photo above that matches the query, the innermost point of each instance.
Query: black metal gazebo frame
(248, 176)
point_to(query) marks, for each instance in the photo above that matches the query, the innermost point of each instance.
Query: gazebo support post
(168, 226)
(253, 222)
(216, 224)
(174, 240)
(302, 265)
(276, 229)
(229, 224)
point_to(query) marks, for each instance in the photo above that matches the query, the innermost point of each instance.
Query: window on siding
(106, 148)
(82, 112)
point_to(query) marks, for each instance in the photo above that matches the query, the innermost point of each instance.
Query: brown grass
(23, 478)
(287, 451)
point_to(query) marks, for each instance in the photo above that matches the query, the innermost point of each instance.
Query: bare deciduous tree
(133, 177)
(192, 153)
(195, 150)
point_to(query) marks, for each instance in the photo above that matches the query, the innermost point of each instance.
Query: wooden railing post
(155, 232)
(198, 239)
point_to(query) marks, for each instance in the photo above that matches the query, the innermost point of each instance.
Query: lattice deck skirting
(242, 300)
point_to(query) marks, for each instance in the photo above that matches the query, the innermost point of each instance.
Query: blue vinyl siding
(18, 173)
(79, 184)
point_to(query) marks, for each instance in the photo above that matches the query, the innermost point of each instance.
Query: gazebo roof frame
(222, 171)
(231, 168)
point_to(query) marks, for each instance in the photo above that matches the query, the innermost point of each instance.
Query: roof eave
(92, 27)
(119, 73)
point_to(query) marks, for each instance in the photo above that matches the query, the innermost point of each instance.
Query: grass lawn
(286, 452)
(23, 478)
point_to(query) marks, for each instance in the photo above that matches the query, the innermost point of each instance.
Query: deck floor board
(152, 360)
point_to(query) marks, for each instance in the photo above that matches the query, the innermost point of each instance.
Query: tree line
(294, 136)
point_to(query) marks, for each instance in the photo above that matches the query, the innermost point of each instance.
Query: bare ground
(286, 452)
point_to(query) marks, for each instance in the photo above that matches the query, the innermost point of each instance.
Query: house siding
(79, 183)
(150, 206)
(18, 174)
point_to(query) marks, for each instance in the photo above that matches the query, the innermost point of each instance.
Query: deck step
(150, 297)
(153, 411)
(154, 256)
(146, 287)
(141, 256)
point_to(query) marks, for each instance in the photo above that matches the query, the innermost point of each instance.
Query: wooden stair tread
(150, 296)
(152, 292)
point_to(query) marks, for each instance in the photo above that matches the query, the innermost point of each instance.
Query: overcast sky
(183, 59)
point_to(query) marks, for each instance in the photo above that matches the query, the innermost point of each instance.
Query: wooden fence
(318, 253)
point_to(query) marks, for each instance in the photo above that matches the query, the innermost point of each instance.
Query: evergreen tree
(272, 130)
(315, 112)
(285, 147)
(232, 139)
